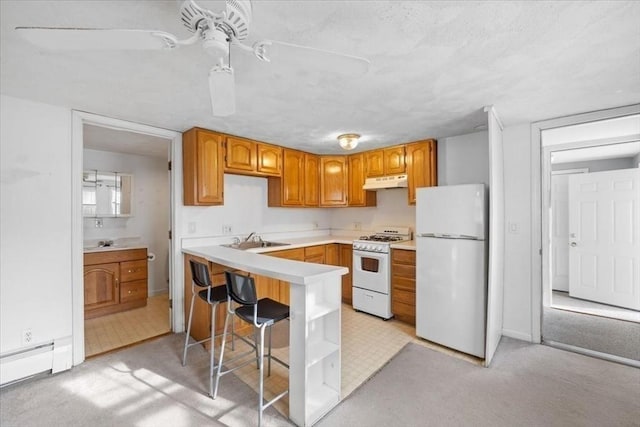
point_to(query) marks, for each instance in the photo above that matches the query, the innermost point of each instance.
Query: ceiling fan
(216, 25)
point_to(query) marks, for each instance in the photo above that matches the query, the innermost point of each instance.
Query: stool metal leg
(214, 309)
(261, 363)
(269, 368)
(186, 340)
(222, 347)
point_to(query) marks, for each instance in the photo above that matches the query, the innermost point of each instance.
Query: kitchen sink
(252, 245)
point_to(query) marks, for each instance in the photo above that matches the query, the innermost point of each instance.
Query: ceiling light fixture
(348, 141)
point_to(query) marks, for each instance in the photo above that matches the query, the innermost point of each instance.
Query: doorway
(124, 219)
(120, 151)
(590, 250)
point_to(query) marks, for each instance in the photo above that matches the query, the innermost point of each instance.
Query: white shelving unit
(314, 383)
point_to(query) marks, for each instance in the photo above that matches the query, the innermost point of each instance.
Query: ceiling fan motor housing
(235, 21)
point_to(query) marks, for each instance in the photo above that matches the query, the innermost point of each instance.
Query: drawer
(130, 291)
(402, 256)
(105, 257)
(372, 302)
(402, 270)
(133, 270)
(404, 296)
(294, 254)
(403, 283)
(313, 251)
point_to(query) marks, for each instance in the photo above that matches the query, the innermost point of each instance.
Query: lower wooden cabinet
(283, 287)
(114, 281)
(403, 285)
(346, 260)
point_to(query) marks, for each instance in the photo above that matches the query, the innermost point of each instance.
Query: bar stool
(212, 295)
(263, 314)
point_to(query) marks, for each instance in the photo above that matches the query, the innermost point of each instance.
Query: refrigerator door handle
(449, 236)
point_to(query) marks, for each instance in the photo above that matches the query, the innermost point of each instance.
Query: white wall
(464, 159)
(245, 210)
(35, 222)
(517, 273)
(151, 209)
(392, 209)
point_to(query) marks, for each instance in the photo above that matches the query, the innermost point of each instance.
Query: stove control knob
(379, 249)
(370, 247)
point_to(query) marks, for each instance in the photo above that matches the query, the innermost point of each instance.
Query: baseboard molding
(517, 335)
(592, 353)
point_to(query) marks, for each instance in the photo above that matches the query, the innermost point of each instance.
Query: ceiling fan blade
(313, 58)
(97, 39)
(222, 88)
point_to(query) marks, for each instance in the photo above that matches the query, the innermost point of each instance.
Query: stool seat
(217, 294)
(269, 312)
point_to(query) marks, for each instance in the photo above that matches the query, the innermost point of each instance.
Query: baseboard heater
(49, 357)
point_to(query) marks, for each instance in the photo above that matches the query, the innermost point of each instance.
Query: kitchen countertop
(279, 268)
(409, 246)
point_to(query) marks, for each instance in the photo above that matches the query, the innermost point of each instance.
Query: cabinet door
(240, 155)
(293, 178)
(358, 196)
(421, 166)
(374, 163)
(311, 180)
(332, 252)
(296, 255)
(101, 286)
(346, 260)
(333, 181)
(394, 163)
(403, 285)
(203, 171)
(269, 159)
(315, 254)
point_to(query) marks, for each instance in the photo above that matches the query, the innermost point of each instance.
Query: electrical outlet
(98, 222)
(27, 336)
(226, 229)
(357, 225)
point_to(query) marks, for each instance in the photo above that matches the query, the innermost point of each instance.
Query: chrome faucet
(249, 236)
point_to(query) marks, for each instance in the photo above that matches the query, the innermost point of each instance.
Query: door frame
(80, 118)
(540, 173)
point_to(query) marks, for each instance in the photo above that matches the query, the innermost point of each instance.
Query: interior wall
(245, 210)
(597, 165)
(464, 159)
(517, 271)
(151, 209)
(392, 209)
(35, 222)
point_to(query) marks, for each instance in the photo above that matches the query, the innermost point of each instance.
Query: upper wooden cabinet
(394, 162)
(358, 196)
(311, 180)
(333, 181)
(387, 161)
(422, 170)
(269, 160)
(247, 157)
(288, 190)
(203, 171)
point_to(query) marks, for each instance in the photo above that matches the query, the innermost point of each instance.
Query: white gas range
(372, 270)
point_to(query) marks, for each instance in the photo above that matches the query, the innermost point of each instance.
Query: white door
(560, 228)
(604, 248)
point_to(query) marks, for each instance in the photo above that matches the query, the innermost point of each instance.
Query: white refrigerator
(451, 266)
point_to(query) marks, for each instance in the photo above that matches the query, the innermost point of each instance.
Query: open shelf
(320, 310)
(320, 401)
(320, 350)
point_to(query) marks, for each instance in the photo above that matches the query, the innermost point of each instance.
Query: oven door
(371, 271)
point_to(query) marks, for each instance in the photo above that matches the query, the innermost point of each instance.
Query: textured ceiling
(434, 65)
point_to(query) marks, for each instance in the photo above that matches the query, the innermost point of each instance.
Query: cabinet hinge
(169, 165)
(170, 235)
(170, 303)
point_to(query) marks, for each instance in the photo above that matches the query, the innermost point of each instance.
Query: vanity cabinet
(114, 281)
(333, 181)
(422, 170)
(403, 285)
(358, 196)
(203, 168)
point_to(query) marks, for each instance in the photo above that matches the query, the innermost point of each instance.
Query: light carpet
(527, 385)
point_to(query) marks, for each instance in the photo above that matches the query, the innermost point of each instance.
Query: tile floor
(368, 343)
(106, 333)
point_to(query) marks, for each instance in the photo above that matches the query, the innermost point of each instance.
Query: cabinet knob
(129, 291)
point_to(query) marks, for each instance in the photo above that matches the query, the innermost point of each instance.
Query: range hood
(390, 181)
